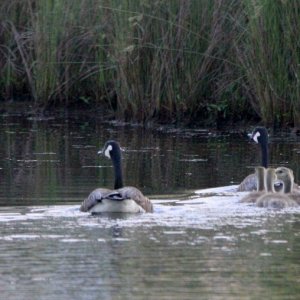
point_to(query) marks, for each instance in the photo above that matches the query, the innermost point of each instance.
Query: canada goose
(260, 178)
(260, 136)
(286, 175)
(121, 199)
(272, 199)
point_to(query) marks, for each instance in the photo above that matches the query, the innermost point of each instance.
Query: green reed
(174, 61)
(271, 59)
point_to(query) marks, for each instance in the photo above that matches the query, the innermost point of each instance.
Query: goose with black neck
(121, 199)
(259, 136)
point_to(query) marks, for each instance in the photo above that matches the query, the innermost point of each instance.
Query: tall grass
(183, 60)
(172, 62)
(271, 59)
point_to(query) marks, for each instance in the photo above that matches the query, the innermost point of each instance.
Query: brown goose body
(260, 185)
(273, 199)
(290, 189)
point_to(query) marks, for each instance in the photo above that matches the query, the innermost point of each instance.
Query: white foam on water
(207, 209)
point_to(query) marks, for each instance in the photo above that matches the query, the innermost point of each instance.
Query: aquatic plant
(270, 56)
(171, 61)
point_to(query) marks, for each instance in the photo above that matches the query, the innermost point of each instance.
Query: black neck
(264, 155)
(118, 173)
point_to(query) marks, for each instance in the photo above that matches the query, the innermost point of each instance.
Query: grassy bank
(178, 61)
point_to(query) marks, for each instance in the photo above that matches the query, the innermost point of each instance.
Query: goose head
(260, 135)
(286, 176)
(111, 150)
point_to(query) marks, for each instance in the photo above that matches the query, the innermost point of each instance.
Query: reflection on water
(178, 252)
(56, 161)
(193, 244)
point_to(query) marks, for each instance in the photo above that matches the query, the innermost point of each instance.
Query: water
(195, 245)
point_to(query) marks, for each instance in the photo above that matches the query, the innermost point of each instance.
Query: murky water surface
(196, 245)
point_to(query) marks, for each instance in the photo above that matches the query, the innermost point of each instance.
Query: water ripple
(204, 210)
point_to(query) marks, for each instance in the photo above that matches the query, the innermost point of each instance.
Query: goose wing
(130, 192)
(248, 184)
(93, 198)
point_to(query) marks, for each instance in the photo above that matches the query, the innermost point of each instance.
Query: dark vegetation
(187, 61)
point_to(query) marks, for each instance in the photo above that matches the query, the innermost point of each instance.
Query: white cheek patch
(107, 151)
(255, 137)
